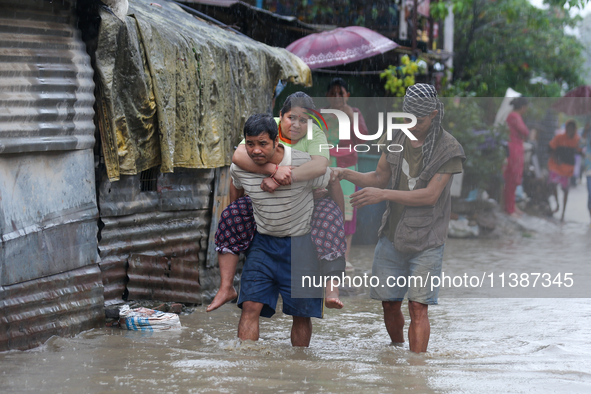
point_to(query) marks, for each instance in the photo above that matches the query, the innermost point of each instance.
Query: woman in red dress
(518, 132)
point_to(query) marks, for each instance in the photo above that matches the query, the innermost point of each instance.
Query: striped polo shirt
(286, 212)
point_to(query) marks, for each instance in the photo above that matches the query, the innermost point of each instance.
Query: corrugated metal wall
(45, 79)
(163, 278)
(62, 304)
(48, 214)
(171, 221)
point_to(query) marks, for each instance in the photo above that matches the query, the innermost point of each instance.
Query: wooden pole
(431, 33)
(414, 25)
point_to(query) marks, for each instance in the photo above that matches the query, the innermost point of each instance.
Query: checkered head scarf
(421, 100)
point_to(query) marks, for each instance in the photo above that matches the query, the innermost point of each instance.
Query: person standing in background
(345, 156)
(513, 174)
(587, 162)
(561, 165)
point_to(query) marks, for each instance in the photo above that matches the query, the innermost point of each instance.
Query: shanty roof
(175, 90)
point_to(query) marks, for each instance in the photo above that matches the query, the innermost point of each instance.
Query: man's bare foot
(331, 299)
(515, 215)
(397, 344)
(221, 297)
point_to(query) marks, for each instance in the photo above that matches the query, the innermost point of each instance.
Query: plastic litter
(461, 229)
(144, 319)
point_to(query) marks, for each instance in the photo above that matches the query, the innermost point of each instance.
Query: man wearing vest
(414, 226)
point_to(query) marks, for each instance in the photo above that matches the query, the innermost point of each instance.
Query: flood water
(485, 345)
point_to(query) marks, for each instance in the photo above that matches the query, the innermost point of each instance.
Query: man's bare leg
(301, 331)
(248, 327)
(555, 194)
(564, 204)
(331, 298)
(394, 319)
(420, 328)
(226, 292)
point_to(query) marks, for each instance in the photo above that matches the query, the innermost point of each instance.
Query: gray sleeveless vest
(425, 227)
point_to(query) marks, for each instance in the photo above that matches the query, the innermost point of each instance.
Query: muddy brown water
(487, 345)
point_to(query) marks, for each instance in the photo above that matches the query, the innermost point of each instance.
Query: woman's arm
(242, 160)
(517, 124)
(310, 170)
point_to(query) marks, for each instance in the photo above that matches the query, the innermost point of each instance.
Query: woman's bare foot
(221, 297)
(515, 215)
(331, 299)
(333, 303)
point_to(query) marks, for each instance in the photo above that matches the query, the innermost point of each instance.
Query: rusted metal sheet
(185, 189)
(163, 278)
(181, 234)
(171, 220)
(62, 304)
(46, 79)
(50, 281)
(114, 275)
(47, 192)
(48, 214)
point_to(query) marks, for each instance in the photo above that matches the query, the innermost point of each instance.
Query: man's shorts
(236, 230)
(416, 269)
(557, 179)
(267, 273)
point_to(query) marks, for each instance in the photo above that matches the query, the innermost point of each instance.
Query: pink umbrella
(340, 46)
(575, 102)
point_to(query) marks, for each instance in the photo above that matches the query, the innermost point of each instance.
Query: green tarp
(175, 91)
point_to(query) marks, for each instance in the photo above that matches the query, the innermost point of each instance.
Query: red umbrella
(575, 102)
(340, 46)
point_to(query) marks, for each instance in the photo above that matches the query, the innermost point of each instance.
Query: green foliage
(510, 43)
(401, 77)
(568, 3)
(456, 88)
(439, 9)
